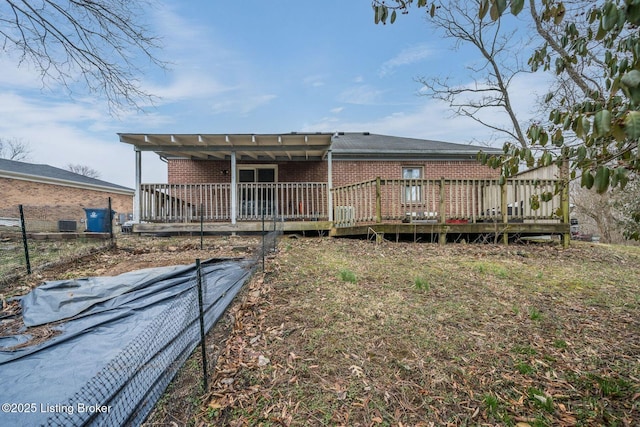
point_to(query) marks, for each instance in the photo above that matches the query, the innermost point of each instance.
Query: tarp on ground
(120, 340)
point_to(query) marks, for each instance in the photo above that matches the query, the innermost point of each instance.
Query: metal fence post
(263, 237)
(110, 221)
(24, 240)
(202, 335)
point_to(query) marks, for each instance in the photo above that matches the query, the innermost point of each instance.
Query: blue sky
(254, 67)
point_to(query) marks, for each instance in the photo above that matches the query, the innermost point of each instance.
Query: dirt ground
(131, 252)
(350, 332)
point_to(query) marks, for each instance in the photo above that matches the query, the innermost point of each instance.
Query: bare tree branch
(14, 149)
(458, 21)
(83, 170)
(588, 86)
(101, 43)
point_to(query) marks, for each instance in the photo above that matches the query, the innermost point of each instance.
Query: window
(413, 190)
(256, 173)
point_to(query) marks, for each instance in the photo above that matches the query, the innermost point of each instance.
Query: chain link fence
(36, 236)
(127, 387)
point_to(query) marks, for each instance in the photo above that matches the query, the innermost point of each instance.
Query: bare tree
(14, 149)
(628, 203)
(613, 215)
(102, 43)
(489, 92)
(596, 213)
(83, 170)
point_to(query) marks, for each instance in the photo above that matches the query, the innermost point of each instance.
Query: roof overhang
(252, 147)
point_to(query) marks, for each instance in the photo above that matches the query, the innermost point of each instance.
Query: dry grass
(42, 253)
(346, 332)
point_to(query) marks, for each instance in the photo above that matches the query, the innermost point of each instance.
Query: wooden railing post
(442, 235)
(441, 206)
(505, 214)
(378, 201)
(564, 201)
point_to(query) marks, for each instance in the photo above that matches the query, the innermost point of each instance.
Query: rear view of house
(323, 181)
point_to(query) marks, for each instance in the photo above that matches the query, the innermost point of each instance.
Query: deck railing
(374, 201)
(447, 200)
(188, 202)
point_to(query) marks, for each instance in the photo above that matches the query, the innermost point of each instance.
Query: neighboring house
(315, 181)
(50, 194)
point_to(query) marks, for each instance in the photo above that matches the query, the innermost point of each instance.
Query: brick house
(49, 194)
(317, 181)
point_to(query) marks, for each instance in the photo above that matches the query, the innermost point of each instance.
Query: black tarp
(119, 342)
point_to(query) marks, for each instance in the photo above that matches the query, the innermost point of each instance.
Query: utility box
(67, 226)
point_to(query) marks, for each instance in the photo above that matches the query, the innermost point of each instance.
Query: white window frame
(412, 193)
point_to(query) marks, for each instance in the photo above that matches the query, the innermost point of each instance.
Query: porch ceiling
(252, 147)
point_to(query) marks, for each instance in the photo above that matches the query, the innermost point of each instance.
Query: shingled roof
(368, 145)
(52, 175)
(300, 146)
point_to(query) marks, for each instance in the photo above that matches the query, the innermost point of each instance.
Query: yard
(347, 332)
(350, 332)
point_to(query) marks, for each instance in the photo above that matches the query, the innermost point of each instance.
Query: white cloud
(188, 84)
(433, 119)
(407, 56)
(361, 95)
(15, 77)
(204, 67)
(429, 121)
(241, 104)
(314, 81)
(337, 110)
(60, 133)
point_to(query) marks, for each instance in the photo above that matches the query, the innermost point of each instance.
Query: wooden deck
(239, 227)
(446, 208)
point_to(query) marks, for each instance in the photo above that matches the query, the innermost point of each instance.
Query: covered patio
(262, 174)
(253, 193)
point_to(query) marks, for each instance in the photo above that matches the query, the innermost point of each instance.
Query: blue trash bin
(98, 220)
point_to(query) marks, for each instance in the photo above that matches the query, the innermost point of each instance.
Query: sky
(255, 67)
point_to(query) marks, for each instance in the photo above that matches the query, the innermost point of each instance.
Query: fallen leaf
(356, 370)
(263, 361)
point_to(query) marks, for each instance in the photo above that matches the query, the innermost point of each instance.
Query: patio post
(234, 189)
(137, 205)
(330, 185)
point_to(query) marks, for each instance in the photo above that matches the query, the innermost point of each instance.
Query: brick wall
(49, 202)
(348, 172)
(344, 172)
(185, 171)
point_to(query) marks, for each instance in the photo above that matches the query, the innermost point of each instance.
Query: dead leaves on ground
(576, 363)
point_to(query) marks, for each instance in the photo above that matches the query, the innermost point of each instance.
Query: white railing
(188, 202)
(407, 200)
(289, 200)
(182, 202)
